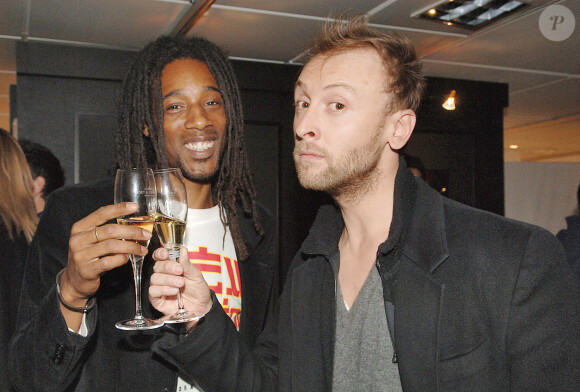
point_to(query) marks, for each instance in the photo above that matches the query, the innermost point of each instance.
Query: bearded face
(339, 122)
(346, 173)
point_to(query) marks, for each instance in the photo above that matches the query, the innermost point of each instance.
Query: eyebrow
(328, 87)
(177, 92)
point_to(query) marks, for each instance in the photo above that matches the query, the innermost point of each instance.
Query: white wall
(542, 193)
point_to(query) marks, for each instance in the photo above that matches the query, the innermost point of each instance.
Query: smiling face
(340, 122)
(194, 119)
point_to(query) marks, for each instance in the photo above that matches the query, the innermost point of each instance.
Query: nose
(197, 118)
(306, 124)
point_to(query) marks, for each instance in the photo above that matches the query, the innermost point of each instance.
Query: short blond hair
(405, 79)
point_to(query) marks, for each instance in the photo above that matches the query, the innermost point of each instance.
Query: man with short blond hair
(395, 287)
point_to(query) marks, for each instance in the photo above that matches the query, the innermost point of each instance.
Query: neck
(367, 218)
(39, 204)
(199, 196)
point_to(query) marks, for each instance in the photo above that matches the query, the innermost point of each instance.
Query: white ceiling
(543, 75)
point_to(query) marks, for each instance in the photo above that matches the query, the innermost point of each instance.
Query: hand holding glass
(170, 222)
(137, 186)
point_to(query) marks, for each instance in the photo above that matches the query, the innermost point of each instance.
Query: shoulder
(469, 229)
(91, 194)
(498, 238)
(252, 237)
(12, 249)
(98, 190)
(78, 201)
(572, 232)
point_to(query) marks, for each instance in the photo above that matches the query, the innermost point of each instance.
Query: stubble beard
(205, 178)
(202, 178)
(348, 176)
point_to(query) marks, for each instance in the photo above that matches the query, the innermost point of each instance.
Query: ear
(146, 131)
(38, 185)
(404, 124)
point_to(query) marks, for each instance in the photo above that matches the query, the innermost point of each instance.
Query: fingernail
(146, 233)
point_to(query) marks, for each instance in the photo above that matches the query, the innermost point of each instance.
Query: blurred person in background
(46, 171)
(18, 222)
(570, 239)
(416, 166)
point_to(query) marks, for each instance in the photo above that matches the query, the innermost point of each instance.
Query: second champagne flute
(170, 222)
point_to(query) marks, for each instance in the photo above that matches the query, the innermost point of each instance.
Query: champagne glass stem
(174, 255)
(137, 262)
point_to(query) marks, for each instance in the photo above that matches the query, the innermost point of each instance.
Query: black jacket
(12, 261)
(482, 303)
(47, 357)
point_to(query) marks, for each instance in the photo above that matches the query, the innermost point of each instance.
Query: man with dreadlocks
(180, 108)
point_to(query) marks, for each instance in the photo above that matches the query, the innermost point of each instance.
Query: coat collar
(425, 239)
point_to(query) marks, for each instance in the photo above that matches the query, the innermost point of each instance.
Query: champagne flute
(170, 222)
(137, 186)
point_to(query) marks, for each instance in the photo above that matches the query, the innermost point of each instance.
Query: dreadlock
(141, 107)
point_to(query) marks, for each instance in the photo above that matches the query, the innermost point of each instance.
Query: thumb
(190, 271)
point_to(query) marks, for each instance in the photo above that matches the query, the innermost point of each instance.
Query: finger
(161, 279)
(162, 291)
(110, 262)
(111, 238)
(96, 267)
(160, 254)
(106, 249)
(168, 267)
(103, 215)
(115, 231)
(184, 259)
(109, 246)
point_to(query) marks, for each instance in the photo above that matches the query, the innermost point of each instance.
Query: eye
(337, 106)
(172, 107)
(301, 104)
(213, 102)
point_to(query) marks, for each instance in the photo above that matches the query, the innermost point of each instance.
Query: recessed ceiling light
(513, 146)
(471, 14)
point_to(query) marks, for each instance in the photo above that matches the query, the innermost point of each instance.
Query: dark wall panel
(49, 110)
(94, 146)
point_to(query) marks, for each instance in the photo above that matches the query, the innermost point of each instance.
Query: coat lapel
(418, 294)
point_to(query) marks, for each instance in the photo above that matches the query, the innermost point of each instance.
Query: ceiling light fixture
(471, 14)
(449, 103)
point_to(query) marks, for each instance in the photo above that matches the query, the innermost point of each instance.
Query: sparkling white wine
(145, 222)
(170, 231)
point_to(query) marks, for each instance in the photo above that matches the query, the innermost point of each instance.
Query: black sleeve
(544, 321)
(44, 354)
(215, 355)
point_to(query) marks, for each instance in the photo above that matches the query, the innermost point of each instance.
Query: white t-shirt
(216, 257)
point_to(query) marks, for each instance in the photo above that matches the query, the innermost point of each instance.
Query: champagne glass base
(139, 324)
(181, 317)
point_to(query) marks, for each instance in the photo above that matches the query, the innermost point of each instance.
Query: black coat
(47, 357)
(482, 303)
(12, 260)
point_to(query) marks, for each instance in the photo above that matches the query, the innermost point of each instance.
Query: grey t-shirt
(363, 350)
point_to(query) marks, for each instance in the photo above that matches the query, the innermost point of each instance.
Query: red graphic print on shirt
(222, 275)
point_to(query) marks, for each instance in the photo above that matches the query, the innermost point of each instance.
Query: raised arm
(65, 239)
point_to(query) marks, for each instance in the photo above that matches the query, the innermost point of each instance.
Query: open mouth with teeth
(200, 146)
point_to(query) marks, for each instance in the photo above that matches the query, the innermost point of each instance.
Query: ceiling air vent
(470, 14)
